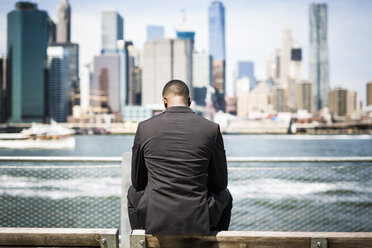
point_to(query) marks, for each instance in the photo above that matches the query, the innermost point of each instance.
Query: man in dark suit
(179, 171)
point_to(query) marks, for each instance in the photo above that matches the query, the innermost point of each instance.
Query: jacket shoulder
(150, 121)
(206, 122)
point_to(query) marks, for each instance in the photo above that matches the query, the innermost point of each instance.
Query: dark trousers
(220, 205)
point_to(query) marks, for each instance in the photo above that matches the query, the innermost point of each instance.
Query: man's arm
(139, 170)
(217, 171)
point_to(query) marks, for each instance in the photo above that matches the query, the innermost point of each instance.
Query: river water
(275, 197)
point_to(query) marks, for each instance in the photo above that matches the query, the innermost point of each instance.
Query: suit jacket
(177, 158)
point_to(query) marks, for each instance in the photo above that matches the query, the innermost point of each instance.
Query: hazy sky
(253, 30)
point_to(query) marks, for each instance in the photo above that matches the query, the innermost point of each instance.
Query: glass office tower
(319, 67)
(58, 83)
(3, 103)
(217, 30)
(112, 31)
(217, 50)
(27, 47)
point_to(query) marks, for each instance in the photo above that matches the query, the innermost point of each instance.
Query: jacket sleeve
(139, 170)
(217, 171)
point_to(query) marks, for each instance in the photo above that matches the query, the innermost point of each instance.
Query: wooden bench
(58, 237)
(240, 239)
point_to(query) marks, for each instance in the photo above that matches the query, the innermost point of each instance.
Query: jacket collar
(179, 109)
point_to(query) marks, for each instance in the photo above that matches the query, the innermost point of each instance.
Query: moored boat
(40, 136)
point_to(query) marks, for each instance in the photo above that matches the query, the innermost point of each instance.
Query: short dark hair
(176, 87)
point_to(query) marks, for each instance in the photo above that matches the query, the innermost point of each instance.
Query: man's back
(178, 158)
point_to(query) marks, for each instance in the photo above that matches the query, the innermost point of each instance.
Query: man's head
(176, 92)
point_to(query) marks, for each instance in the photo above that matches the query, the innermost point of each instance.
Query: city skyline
(348, 43)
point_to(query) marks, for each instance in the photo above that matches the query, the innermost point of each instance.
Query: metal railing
(229, 159)
(270, 193)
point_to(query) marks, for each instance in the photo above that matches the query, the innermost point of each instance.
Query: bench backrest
(232, 239)
(59, 237)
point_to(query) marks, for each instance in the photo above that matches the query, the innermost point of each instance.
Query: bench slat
(58, 237)
(49, 246)
(239, 239)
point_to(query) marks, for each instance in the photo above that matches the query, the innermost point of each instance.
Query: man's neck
(178, 105)
(173, 101)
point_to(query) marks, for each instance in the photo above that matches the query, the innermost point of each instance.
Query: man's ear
(165, 102)
(189, 100)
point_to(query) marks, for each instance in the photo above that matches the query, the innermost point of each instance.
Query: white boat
(40, 136)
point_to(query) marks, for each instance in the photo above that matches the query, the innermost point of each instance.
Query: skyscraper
(64, 40)
(182, 62)
(344, 104)
(134, 79)
(201, 76)
(217, 50)
(52, 29)
(319, 72)
(64, 22)
(295, 74)
(202, 72)
(3, 103)
(277, 66)
(279, 99)
(85, 83)
(131, 78)
(123, 74)
(164, 59)
(273, 66)
(190, 36)
(73, 70)
(27, 47)
(58, 83)
(246, 69)
(186, 35)
(154, 32)
(304, 96)
(106, 84)
(296, 59)
(369, 93)
(285, 63)
(111, 79)
(217, 30)
(135, 75)
(183, 32)
(112, 31)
